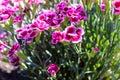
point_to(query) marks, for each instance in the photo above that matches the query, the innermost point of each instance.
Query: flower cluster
(40, 25)
(13, 58)
(6, 13)
(26, 33)
(51, 17)
(7, 10)
(71, 34)
(75, 12)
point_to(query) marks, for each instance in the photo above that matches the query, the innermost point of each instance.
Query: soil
(8, 72)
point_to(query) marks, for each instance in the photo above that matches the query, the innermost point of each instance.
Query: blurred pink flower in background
(116, 6)
(3, 35)
(6, 12)
(14, 49)
(96, 49)
(13, 58)
(52, 69)
(102, 5)
(4, 2)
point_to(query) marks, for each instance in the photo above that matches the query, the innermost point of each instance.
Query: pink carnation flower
(102, 7)
(14, 49)
(14, 60)
(40, 25)
(73, 34)
(17, 19)
(52, 69)
(57, 36)
(116, 5)
(76, 13)
(96, 49)
(27, 33)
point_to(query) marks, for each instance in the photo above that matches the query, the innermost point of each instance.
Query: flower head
(51, 17)
(116, 6)
(52, 69)
(14, 49)
(96, 49)
(73, 34)
(76, 13)
(102, 7)
(17, 19)
(57, 36)
(13, 58)
(27, 33)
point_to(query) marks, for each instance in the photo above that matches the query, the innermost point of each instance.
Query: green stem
(79, 52)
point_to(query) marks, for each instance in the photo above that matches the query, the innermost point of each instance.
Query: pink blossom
(6, 13)
(14, 49)
(80, 31)
(52, 69)
(102, 7)
(17, 19)
(27, 33)
(116, 6)
(57, 36)
(60, 5)
(51, 17)
(40, 25)
(73, 34)
(76, 13)
(14, 60)
(96, 49)
(4, 2)
(23, 34)
(33, 34)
